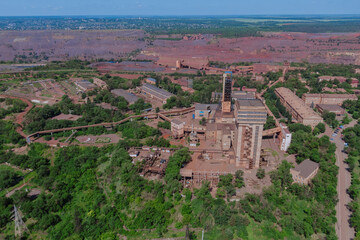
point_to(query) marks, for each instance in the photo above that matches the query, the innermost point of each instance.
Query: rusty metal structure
(196, 178)
(150, 165)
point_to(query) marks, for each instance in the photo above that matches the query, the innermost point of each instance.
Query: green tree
(202, 121)
(260, 173)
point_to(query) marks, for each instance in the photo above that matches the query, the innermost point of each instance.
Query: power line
(20, 226)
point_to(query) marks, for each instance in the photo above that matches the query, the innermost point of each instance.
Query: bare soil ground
(62, 45)
(272, 47)
(90, 139)
(67, 117)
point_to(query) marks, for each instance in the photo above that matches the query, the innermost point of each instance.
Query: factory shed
(130, 97)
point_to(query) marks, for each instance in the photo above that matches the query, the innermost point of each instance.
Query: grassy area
(37, 85)
(6, 167)
(46, 95)
(26, 179)
(103, 140)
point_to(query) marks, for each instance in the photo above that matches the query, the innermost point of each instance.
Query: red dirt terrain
(62, 45)
(194, 51)
(272, 47)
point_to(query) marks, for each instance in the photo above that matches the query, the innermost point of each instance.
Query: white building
(286, 137)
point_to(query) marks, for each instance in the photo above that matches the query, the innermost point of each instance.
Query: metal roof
(151, 79)
(306, 168)
(158, 92)
(123, 93)
(85, 84)
(176, 121)
(199, 106)
(250, 102)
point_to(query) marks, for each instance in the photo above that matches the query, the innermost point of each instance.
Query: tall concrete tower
(226, 96)
(250, 119)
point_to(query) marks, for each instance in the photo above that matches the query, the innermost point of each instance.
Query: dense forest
(352, 137)
(97, 193)
(11, 106)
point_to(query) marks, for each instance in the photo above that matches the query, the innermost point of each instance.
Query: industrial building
(235, 129)
(129, 97)
(297, 108)
(154, 92)
(311, 99)
(100, 83)
(150, 80)
(177, 128)
(85, 86)
(285, 136)
(250, 117)
(245, 89)
(304, 172)
(205, 110)
(217, 96)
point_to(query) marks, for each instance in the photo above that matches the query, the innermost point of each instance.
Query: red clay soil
(64, 44)
(195, 51)
(272, 47)
(20, 116)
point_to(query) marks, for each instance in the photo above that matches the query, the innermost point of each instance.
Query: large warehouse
(129, 97)
(152, 91)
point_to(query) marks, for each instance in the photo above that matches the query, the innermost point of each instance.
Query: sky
(176, 7)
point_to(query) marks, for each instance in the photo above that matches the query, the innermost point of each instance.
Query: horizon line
(190, 15)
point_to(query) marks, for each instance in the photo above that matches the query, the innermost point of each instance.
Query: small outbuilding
(304, 172)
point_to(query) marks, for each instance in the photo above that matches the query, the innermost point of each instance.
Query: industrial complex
(233, 131)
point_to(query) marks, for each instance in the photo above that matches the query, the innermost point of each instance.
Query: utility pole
(20, 226)
(187, 234)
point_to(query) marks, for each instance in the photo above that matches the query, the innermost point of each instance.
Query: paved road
(343, 229)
